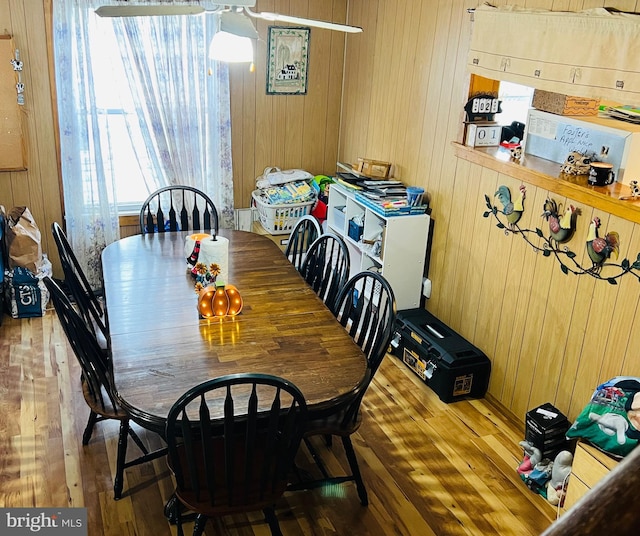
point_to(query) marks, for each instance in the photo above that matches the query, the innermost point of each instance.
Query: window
(122, 146)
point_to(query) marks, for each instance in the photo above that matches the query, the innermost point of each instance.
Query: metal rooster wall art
(600, 246)
(562, 224)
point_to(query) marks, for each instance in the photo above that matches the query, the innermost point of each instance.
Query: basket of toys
(280, 208)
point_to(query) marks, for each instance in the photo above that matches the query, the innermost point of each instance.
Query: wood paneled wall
(38, 187)
(551, 337)
(288, 131)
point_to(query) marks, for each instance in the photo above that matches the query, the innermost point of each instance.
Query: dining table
(160, 346)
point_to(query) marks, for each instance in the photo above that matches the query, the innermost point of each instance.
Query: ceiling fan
(232, 15)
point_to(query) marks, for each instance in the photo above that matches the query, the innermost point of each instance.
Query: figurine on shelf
(635, 191)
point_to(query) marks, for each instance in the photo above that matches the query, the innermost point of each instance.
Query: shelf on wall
(546, 174)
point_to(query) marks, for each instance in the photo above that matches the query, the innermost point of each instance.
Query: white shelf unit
(402, 256)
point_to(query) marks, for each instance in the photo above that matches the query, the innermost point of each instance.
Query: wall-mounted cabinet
(395, 246)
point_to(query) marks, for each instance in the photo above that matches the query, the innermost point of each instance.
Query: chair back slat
(326, 267)
(235, 456)
(173, 222)
(182, 217)
(160, 217)
(306, 230)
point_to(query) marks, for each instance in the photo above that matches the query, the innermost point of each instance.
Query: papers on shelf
(623, 113)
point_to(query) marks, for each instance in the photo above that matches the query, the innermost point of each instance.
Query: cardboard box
(373, 168)
(553, 137)
(556, 103)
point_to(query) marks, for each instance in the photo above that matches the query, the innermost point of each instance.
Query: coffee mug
(601, 174)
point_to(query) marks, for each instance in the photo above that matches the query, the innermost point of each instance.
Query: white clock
(479, 135)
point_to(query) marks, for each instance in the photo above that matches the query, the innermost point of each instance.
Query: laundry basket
(280, 219)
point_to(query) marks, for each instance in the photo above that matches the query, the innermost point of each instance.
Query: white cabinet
(391, 244)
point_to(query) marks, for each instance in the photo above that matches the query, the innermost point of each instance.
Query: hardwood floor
(430, 468)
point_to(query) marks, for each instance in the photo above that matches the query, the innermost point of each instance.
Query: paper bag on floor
(24, 241)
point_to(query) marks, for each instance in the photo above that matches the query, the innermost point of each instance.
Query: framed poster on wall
(12, 148)
(288, 60)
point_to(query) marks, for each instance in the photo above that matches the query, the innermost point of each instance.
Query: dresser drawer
(589, 466)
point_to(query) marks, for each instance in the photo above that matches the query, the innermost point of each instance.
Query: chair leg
(199, 525)
(121, 458)
(355, 470)
(272, 520)
(138, 441)
(316, 458)
(88, 430)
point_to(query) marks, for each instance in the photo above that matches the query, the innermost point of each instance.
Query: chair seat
(103, 406)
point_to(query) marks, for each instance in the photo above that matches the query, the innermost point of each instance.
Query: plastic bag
(272, 176)
(26, 293)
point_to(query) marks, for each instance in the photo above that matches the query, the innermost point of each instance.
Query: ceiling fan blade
(275, 17)
(148, 11)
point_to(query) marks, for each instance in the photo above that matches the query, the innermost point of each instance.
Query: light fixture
(230, 48)
(232, 42)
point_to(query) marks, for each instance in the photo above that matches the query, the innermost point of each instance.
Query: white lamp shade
(231, 48)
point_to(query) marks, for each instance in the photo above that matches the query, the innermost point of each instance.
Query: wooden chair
(97, 384)
(232, 441)
(304, 233)
(76, 281)
(187, 209)
(326, 267)
(366, 308)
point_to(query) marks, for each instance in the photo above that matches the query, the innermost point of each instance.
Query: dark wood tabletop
(161, 348)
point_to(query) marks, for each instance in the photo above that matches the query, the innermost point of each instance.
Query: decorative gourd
(219, 300)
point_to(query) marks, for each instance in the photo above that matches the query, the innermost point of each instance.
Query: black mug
(601, 174)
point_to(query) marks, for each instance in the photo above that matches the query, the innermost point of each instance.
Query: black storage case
(448, 363)
(545, 429)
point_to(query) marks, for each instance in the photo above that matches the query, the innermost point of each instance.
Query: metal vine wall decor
(561, 228)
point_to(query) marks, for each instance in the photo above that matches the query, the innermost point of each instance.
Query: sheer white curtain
(182, 107)
(182, 110)
(89, 190)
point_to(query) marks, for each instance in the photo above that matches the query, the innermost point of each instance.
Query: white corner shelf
(404, 244)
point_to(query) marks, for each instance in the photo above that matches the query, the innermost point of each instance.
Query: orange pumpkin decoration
(219, 300)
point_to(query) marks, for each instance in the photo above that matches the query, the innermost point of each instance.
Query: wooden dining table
(160, 347)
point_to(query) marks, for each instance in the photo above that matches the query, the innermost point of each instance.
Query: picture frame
(287, 60)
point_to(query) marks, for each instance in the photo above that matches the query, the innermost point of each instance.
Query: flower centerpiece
(205, 275)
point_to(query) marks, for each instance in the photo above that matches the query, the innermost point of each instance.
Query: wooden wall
(288, 131)
(37, 187)
(551, 337)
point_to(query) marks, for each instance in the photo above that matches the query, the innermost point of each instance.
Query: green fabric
(604, 420)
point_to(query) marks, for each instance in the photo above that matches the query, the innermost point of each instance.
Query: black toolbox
(448, 363)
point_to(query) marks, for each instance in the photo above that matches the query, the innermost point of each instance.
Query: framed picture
(288, 60)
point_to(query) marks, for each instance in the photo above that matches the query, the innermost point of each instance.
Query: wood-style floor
(430, 468)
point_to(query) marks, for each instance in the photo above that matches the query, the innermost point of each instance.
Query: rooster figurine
(600, 249)
(512, 210)
(561, 227)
